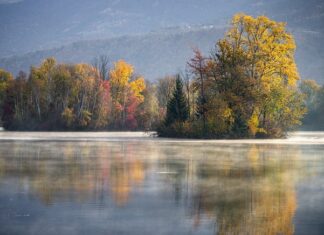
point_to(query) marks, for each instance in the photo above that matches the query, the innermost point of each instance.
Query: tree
(6, 80)
(189, 91)
(177, 109)
(253, 74)
(313, 95)
(147, 113)
(165, 87)
(247, 87)
(258, 74)
(198, 68)
(21, 93)
(126, 93)
(102, 108)
(310, 89)
(101, 63)
(73, 96)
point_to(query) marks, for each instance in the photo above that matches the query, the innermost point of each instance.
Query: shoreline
(298, 138)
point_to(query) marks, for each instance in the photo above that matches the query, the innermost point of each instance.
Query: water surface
(132, 183)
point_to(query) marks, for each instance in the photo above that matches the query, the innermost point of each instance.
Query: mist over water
(133, 183)
(302, 137)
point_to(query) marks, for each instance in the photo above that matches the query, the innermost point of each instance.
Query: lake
(132, 183)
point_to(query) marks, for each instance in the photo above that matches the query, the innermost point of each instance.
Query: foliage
(148, 113)
(177, 109)
(248, 86)
(126, 92)
(314, 101)
(5, 82)
(77, 97)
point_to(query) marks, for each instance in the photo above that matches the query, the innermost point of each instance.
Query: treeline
(77, 97)
(246, 87)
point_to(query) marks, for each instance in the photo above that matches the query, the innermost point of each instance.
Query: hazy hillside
(155, 35)
(29, 25)
(157, 54)
(153, 55)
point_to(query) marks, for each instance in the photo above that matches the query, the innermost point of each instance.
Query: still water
(131, 183)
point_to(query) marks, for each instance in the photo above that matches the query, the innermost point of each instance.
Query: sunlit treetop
(121, 78)
(266, 45)
(121, 73)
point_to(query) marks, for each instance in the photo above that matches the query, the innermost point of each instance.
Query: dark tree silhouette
(177, 109)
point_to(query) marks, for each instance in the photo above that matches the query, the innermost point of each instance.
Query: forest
(247, 87)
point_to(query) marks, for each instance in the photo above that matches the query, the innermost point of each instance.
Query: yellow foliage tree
(5, 79)
(124, 86)
(257, 75)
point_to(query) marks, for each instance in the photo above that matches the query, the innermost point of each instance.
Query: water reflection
(226, 189)
(256, 196)
(73, 171)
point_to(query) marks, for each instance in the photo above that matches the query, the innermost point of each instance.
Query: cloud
(2, 2)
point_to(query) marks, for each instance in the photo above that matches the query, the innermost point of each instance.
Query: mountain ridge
(35, 29)
(161, 53)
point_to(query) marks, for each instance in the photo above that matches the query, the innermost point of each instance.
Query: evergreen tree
(177, 109)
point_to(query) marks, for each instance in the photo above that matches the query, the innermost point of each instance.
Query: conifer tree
(177, 109)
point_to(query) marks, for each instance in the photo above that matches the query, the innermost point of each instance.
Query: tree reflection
(125, 175)
(251, 194)
(78, 171)
(244, 189)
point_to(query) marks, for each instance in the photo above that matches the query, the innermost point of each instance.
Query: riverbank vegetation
(75, 97)
(246, 87)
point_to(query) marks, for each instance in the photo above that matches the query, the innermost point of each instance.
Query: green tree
(310, 89)
(177, 109)
(313, 95)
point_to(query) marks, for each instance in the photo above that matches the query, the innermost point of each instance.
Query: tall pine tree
(177, 109)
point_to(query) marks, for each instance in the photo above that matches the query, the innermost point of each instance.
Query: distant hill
(30, 25)
(157, 54)
(154, 35)
(153, 55)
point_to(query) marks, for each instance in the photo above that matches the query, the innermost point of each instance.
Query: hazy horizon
(37, 26)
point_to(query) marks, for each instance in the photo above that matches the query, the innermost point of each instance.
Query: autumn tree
(40, 79)
(247, 87)
(21, 93)
(188, 90)
(101, 64)
(56, 96)
(165, 87)
(6, 79)
(258, 54)
(198, 67)
(148, 112)
(255, 74)
(126, 92)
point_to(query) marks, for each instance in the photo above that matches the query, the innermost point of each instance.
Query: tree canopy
(247, 87)
(64, 96)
